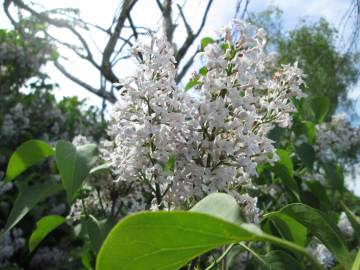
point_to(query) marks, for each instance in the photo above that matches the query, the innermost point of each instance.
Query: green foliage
(28, 197)
(174, 238)
(356, 264)
(206, 41)
(26, 155)
(74, 165)
(330, 73)
(43, 227)
(322, 227)
(288, 227)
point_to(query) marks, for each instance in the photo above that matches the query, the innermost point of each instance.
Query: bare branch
(111, 44)
(133, 28)
(167, 20)
(160, 5)
(186, 67)
(99, 92)
(187, 26)
(191, 37)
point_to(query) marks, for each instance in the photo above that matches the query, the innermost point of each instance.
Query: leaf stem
(222, 257)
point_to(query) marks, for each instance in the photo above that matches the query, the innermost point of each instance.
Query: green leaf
(168, 240)
(356, 264)
(203, 71)
(220, 205)
(307, 154)
(191, 84)
(354, 220)
(310, 131)
(319, 106)
(335, 176)
(101, 168)
(97, 231)
(27, 155)
(27, 199)
(289, 228)
(206, 41)
(74, 165)
(285, 160)
(284, 169)
(170, 164)
(319, 191)
(43, 227)
(319, 224)
(280, 260)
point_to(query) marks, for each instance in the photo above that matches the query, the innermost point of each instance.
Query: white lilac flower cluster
(345, 226)
(336, 137)
(321, 253)
(183, 147)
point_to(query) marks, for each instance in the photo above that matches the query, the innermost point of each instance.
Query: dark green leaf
(307, 154)
(74, 165)
(284, 169)
(27, 155)
(280, 260)
(319, 191)
(319, 106)
(322, 227)
(335, 176)
(289, 228)
(97, 231)
(27, 199)
(43, 227)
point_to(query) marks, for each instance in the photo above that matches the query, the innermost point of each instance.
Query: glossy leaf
(97, 231)
(220, 205)
(288, 227)
(319, 224)
(27, 155)
(168, 240)
(74, 165)
(27, 199)
(43, 227)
